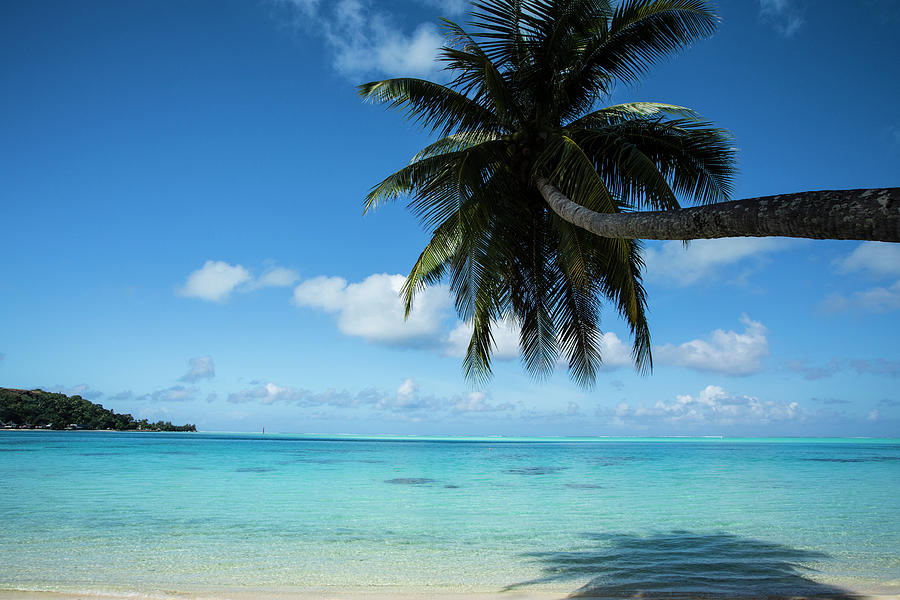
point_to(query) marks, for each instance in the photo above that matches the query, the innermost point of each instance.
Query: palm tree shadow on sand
(682, 565)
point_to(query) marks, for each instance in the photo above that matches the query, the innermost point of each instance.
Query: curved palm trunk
(871, 214)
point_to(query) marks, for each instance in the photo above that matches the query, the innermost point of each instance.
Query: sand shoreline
(299, 594)
(874, 592)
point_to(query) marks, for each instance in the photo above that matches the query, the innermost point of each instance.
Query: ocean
(152, 514)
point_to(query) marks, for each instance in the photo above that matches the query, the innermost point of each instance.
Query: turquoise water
(141, 512)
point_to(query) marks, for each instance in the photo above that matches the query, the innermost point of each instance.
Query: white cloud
(712, 405)
(873, 415)
(366, 41)
(270, 393)
(725, 352)
(449, 7)
(812, 373)
(506, 340)
(406, 403)
(373, 310)
(878, 299)
(876, 258)
(267, 394)
(878, 366)
(307, 7)
(215, 281)
(784, 15)
(201, 367)
(176, 393)
(407, 390)
(614, 351)
(275, 277)
(82, 389)
(703, 260)
(477, 402)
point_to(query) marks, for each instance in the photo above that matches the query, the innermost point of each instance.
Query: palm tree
(527, 168)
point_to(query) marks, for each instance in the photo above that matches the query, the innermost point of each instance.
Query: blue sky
(181, 188)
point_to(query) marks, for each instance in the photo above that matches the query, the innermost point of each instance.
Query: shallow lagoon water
(141, 512)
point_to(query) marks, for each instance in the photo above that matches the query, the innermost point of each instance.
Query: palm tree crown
(522, 107)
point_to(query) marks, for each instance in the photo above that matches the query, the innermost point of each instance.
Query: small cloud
(211, 397)
(813, 373)
(705, 260)
(307, 7)
(873, 415)
(407, 403)
(478, 402)
(82, 389)
(2, 356)
(831, 401)
(407, 390)
(275, 277)
(215, 281)
(726, 352)
(614, 351)
(407, 400)
(270, 393)
(175, 393)
(785, 16)
(889, 402)
(201, 367)
(449, 7)
(617, 384)
(874, 300)
(876, 258)
(365, 41)
(878, 366)
(373, 310)
(506, 340)
(712, 406)
(123, 395)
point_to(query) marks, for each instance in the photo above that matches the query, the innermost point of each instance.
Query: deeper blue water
(138, 512)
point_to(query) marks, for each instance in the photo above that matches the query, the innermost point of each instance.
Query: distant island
(37, 409)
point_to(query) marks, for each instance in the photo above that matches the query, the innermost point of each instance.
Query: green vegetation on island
(37, 409)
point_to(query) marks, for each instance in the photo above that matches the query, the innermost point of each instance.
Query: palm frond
(575, 174)
(521, 104)
(478, 77)
(642, 33)
(637, 35)
(433, 106)
(456, 142)
(636, 155)
(631, 110)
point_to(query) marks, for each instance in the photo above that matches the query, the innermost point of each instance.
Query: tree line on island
(37, 409)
